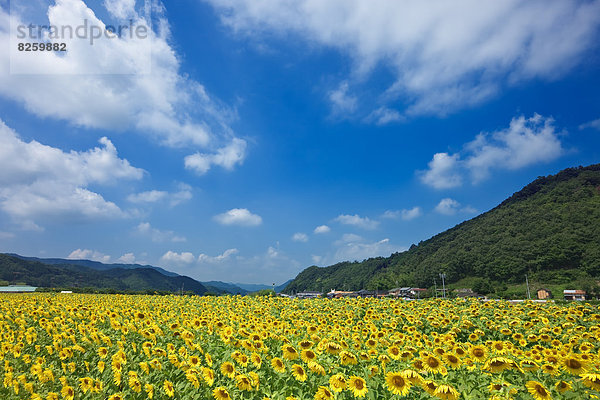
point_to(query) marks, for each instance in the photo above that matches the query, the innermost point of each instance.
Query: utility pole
(435, 285)
(443, 276)
(528, 292)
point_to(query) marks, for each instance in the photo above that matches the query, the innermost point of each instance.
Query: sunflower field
(57, 346)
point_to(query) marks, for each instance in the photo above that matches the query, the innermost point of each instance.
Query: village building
(570, 294)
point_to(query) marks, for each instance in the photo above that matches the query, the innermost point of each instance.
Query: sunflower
(550, 369)
(278, 365)
(208, 375)
(562, 386)
(446, 392)
(323, 394)
(228, 369)
(298, 372)
(67, 392)
(169, 389)
(316, 368)
(497, 364)
(433, 364)
(337, 383)
(429, 386)
(243, 382)
(358, 386)
(397, 383)
(221, 393)
(591, 380)
(478, 352)
(452, 360)
(289, 352)
(149, 389)
(117, 396)
(538, 391)
(574, 365)
(308, 356)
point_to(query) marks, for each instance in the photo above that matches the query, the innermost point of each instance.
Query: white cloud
(442, 172)
(6, 235)
(127, 258)
(322, 229)
(300, 237)
(447, 206)
(45, 182)
(360, 250)
(405, 214)
(341, 101)
(121, 9)
(356, 220)
(351, 237)
(442, 56)
(226, 157)
(203, 258)
(155, 196)
(595, 124)
(183, 258)
(162, 104)
(85, 254)
(272, 252)
(151, 196)
(238, 216)
(156, 235)
(525, 142)
(316, 259)
(384, 115)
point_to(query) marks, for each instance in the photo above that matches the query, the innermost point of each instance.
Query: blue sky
(246, 140)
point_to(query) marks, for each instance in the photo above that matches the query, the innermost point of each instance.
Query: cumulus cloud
(85, 254)
(322, 229)
(183, 258)
(127, 258)
(384, 115)
(442, 173)
(525, 142)
(226, 157)
(360, 249)
(405, 214)
(595, 124)
(356, 220)
(156, 196)
(156, 235)
(203, 258)
(136, 82)
(300, 237)
(442, 56)
(316, 259)
(447, 206)
(45, 182)
(238, 216)
(341, 101)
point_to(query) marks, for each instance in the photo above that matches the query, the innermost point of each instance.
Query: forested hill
(70, 276)
(550, 227)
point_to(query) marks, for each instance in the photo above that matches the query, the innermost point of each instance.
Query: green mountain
(215, 287)
(18, 270)
(549, 230)
(93, 264)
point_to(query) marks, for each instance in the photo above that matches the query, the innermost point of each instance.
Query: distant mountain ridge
(93, 264)
(215, 287)
(550, 228)
(35, 273)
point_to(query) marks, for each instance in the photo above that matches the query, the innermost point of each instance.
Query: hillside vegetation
(69, 276)
(550, 230)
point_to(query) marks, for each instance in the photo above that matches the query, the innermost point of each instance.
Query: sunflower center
(398, 381)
